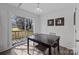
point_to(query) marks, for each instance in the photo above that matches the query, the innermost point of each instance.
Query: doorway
(21, 28)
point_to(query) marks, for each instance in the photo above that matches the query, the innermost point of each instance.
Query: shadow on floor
(22, 50)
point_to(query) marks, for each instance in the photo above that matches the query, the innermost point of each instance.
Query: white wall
(77, 28)
(65, 32)
(6, 11)
(0, 32)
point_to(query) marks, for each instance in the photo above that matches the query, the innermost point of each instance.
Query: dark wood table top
(44, 38)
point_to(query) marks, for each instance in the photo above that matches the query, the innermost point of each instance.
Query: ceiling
(45, 7)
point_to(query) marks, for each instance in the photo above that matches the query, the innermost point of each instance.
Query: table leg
(50, 50)
(58, 47)
(28, 45)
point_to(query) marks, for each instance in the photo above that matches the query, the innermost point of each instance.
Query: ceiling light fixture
(38, 9)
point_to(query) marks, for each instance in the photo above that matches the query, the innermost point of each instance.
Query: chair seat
(41, 47)
(55, 45)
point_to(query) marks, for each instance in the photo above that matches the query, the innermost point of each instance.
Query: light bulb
(38, 10)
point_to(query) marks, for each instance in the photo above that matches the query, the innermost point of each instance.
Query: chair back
(52, 33)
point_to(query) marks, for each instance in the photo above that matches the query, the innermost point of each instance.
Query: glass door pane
(21, 27)
(18, 29)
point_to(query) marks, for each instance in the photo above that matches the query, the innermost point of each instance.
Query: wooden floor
(22, 50)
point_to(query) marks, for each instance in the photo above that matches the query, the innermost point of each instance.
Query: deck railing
(20, 34)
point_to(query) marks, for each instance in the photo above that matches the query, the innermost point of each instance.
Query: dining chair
(41, 49)
(54, 45)
(52, 33)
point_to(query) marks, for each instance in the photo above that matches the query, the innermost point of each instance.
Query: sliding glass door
(21, 27)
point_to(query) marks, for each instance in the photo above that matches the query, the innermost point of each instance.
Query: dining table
(45, 40)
